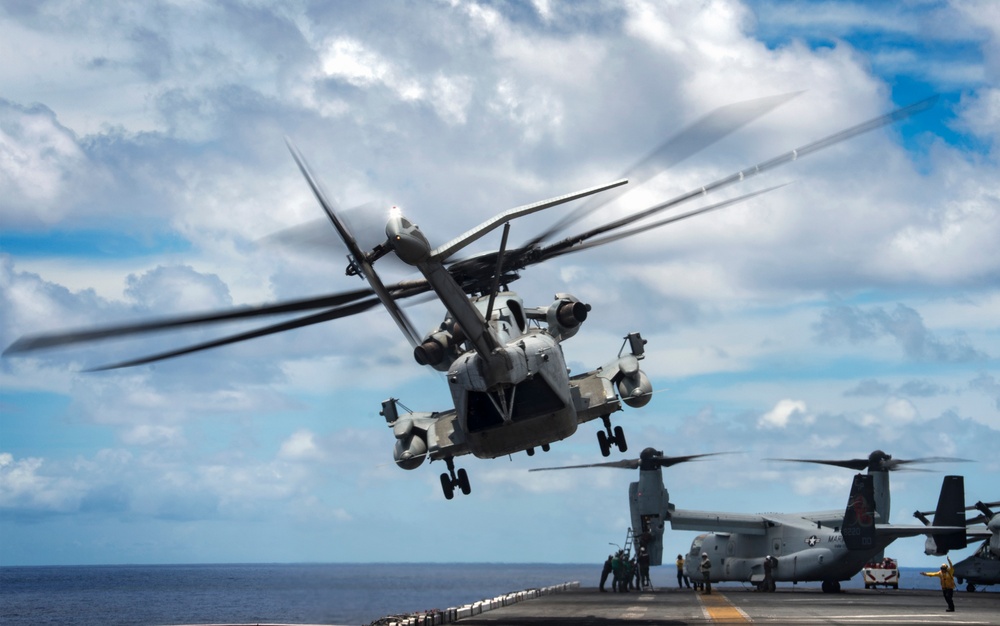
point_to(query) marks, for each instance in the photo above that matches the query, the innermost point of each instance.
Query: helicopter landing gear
(531, 451)
(831, 586)
(606, 438)
(452, 479)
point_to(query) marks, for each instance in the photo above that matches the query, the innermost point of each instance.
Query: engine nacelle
(440, 348)
(565, 315)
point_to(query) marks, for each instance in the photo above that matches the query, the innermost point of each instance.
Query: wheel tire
(602, 440)
(620, 439)
(463, 481)
(447, 487)
(970, 588)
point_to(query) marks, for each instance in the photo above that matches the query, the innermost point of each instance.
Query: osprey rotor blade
(358, 257)
(696, 137)
(878, 461)
(30, 343)
(623, 464)
(895, 464)
(854, 464)
(669, 461)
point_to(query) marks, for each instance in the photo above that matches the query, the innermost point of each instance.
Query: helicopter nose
(406, 240)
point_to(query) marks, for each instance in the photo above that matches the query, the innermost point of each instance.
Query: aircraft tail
(858, 528)
(951, 512)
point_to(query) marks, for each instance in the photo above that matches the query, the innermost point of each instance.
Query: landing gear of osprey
(605, 438)
(831, 586)
(452, 479)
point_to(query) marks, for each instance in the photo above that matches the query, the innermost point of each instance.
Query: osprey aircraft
(983, 566)
(827, 546)
(503, 360)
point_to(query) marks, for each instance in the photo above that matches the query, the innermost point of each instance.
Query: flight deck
(731, 605)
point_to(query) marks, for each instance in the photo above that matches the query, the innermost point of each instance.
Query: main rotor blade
(443, 252)
(358, 255)
(696, 137)
(30, 343)
(309, 320)
(549, 253)
(763, 166)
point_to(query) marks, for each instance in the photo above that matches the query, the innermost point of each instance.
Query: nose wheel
(608, 437)
(452, 479)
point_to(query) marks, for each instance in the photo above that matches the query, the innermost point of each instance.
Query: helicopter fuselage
(506, 371)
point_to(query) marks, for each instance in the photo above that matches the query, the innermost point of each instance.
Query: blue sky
(142, 162)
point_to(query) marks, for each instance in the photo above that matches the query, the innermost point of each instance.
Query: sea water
(343, 593)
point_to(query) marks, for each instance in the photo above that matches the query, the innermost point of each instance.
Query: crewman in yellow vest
(947, 575)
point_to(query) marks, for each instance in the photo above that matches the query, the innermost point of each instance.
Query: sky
(143, 172)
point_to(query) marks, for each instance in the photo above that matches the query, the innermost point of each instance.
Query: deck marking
(721, 610)
(634, 612)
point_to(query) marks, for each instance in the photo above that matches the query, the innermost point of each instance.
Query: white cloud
(784, 414)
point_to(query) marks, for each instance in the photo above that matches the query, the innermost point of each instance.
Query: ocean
(340, 593)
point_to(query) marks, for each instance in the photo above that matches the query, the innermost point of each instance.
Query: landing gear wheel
(970, 588)
(449, 480)
(447, 487)
(602, 440)
(530, 451)
(831, 586)
(463, 481)
(620, 439)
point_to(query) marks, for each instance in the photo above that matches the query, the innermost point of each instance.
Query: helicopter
(503, 361)
(982, 567)
(828, 546)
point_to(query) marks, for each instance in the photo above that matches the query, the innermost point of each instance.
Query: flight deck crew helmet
(944, 566)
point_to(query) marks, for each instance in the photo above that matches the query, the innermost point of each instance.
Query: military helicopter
(504, 363)
(983, 566)
(827, 546)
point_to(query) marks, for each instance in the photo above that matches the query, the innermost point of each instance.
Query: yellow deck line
(721, 610)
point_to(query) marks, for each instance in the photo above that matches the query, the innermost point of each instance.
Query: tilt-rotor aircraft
(504, 362)
(983, 566)
(826, 546)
